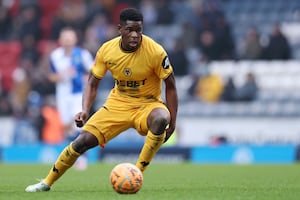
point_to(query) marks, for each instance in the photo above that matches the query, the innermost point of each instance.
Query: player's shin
(65, 160)
(150, 148)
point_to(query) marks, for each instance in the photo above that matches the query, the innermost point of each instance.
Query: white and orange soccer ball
(126, 178)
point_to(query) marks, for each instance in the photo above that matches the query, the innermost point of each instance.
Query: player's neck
(124, 49)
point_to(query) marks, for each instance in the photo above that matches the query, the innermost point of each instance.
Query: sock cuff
(72, 151)
(156, 137)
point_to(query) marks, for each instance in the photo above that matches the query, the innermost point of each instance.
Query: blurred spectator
(223, 37)
(33, 113)
(40, 71)
(27, 121)
(209, 88)
(69, 65)
(251, 47)
(20, 90)
(98, 32)
(183, 11)
(91, 42)
(206, 13)
(165, 15)
(278, 47)
(248, 91)
(179, 59)
(5, 106)
(71, 14)
(52, 130)
(208, 46)
(191, 90)
(9, 60)
(24, 130)
(229, 91)
(29, 50)
(6, 24)
(149, 11)
(214, 38)
(29, 22)
(94, 8)
(38, 78)
(112, 8)
(188, 35)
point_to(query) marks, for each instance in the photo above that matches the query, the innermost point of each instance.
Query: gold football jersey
(137, 74)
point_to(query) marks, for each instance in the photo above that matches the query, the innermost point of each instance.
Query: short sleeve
(99, 67)
(164, 67)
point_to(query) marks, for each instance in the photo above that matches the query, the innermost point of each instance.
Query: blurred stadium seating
(263, 14)
(9, 59)
(278, 80)
(278, 85)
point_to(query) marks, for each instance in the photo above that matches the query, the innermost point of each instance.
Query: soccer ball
(126, 178)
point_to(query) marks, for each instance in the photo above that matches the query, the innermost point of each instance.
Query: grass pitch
(161, 182)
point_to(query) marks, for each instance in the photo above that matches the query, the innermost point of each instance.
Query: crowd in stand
(35, 26)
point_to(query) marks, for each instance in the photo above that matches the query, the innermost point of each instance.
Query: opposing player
(69, 65)
(139, 65)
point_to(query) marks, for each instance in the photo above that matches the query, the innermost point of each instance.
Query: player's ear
(119, 28)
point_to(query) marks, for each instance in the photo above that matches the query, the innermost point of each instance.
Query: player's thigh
(106, 124)
(140, 122)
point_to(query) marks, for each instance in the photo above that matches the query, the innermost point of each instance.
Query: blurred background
(237, 66)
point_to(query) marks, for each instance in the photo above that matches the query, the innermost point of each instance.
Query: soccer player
(69, 66)
(139, 65)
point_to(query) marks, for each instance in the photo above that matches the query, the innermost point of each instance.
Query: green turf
(161, 182)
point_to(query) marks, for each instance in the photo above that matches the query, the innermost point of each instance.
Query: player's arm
(172, 103)
(53, 75)
(88, 98)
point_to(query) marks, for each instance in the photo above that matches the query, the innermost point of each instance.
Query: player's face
(131, 33)
(68, 39)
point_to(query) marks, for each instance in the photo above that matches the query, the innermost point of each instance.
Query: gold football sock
(65, 160)
(150, 148)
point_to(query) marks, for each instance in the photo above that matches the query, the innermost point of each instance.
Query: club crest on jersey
(127, 72)
(166, 63)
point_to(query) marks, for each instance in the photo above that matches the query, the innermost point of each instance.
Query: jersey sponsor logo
(166, 63)
(127, 72)
(131, 84)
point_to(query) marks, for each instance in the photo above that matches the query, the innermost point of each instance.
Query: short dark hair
(131, 14)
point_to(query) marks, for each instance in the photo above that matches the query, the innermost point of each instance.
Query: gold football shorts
(119, 114)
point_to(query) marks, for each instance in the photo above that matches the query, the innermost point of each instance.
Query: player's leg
(157, 121)
(65, 160)
(62, 103)
(75, 107)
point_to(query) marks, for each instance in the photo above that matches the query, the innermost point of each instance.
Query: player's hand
(80, 119)
(68, 74)
(169, 132)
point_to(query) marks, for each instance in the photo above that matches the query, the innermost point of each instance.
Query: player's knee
(158, 120)
(84, 142)
(158, 125)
